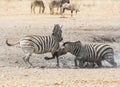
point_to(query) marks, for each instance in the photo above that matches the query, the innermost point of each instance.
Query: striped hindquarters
(96, 52)
(40, 44)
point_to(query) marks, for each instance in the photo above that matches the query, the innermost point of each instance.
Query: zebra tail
(8, 44)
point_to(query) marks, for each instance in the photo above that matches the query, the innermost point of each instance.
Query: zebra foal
(37, 3)
(93, 53)
(40, 44)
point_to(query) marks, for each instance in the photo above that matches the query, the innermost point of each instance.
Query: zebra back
(55, 3)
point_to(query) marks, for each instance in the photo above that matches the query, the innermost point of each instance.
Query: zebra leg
(43, 10)
(34, 10)
(31, 9)
(28, 52)
(39, 9)
(63, 10)
(112, 62)
(53, 57)
(56, 55)
(26, 59)
(76, 12)
(110, 59)
(91, 65)
(75, 61)
(81, 64)
(50, 11)
(57, 10)
(94, 64)
(71, 13)
(99, 63)
(57, 62)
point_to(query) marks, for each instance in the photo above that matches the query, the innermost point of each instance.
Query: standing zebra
(40, 44)
(37, 3)
(69, 6)
(56, 4)
(94, 53)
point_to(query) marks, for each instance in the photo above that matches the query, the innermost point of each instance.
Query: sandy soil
(96, 20)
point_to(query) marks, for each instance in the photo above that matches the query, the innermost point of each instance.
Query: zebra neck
(56, 38)
(77, 50)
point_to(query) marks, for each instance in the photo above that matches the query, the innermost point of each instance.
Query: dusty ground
(97, 22)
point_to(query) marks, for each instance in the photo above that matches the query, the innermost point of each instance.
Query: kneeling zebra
(40, 44)
(93, 53)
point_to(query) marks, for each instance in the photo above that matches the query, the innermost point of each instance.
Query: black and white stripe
(94, 53)
(41, 44)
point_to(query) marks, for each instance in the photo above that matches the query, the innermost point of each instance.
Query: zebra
(94, 53)
(56, 4)
(37, 3)
(69, 6)
(40, 44)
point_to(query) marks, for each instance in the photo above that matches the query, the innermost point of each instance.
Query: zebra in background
(56, 4)
(37, 3)
(69, 6)
(40, 44)
(93, 53)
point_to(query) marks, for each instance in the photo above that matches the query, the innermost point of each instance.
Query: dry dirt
(97, 22)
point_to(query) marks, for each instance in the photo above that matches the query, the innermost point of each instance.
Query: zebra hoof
(57, 65)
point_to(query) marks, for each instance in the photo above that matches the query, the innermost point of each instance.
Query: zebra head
(57, 32)
(71, 46)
